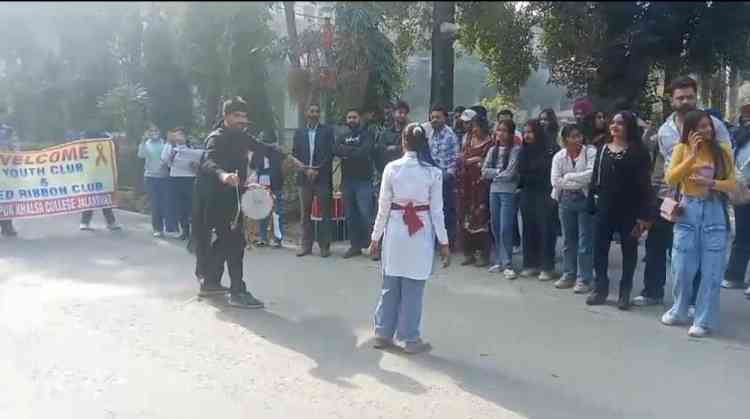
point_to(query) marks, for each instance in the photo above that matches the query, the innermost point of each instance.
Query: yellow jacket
(684, 164)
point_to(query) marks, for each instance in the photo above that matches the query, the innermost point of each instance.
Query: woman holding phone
(701, 168)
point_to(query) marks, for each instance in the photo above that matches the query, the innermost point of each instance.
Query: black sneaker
(352, 252)
(10, 233)
(212, 289)
(244, 300)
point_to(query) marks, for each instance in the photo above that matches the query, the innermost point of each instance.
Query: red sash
(411, 219)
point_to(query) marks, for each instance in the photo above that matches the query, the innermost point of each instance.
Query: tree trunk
(734, 92)
(441, 81)
(719, 90)
(294, 59)
(704, 90)
(671, 71)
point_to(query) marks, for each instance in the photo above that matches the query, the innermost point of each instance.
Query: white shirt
(166, 158)
(311, 139)
(669, 136)
(406, 181)
(566, 176)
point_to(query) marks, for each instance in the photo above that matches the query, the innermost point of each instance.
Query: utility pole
(443, 35)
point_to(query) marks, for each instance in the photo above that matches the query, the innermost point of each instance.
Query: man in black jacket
(313, 155)
(216, 211)
(355, 149)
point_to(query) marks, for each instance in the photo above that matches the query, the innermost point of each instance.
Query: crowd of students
(601, 179)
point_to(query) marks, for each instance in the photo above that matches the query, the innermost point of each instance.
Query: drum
(257, 202)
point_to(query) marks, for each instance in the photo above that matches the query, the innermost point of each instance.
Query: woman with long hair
(473, 192)
(501, 168)
(410, 217)
(548, 121)
(701, 169)
(572, 168)
(538, 209)
(622, 202)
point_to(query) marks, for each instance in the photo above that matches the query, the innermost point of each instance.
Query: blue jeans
(502, 212)
(358, 210)
(157, 188)
(700, 242)
(180, 203)
(278, 208)
(577, 225)
(741, 247)
(399, 310)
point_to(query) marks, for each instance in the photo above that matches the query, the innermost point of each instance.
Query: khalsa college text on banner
(68, 178)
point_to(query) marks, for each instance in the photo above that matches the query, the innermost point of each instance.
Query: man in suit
(313, 155)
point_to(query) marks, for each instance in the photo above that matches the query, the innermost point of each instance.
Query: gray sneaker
(747, 292)
(417, 347)
(642, 301)
(244, 300)
(565, 283)
(382, 343)
(212, 289)
(581, 287)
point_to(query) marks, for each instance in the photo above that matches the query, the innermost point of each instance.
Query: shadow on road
(327, 340)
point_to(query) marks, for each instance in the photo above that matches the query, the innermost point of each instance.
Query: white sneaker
(158, 234)
(747, 292)
(642, 301)
(175, 235)
(547, 276)
(85, 227)
(698, 332)
(495, 269)
(669, 320)
(114, 227)
(529, 272)
(509, 274)
(691, 312)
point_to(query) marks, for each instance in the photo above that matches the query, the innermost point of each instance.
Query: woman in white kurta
(410, 216)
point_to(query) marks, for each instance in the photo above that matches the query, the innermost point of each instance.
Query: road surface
(105, 325)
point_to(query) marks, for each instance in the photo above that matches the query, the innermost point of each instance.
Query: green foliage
(500, 34)
(369, 73)
(124, 108)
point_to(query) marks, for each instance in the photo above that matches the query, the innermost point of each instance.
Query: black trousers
(109, 215)
(658, 246)
(605, 224)
(229, 248)
(449, 207)
(325, 198)
(538, 215)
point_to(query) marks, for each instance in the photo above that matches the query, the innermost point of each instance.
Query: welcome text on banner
(68, 178)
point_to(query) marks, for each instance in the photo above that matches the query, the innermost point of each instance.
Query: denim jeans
(358, 210)
(399, 310)
(741, 246)
(278, 208)
(658, 243)
(502, 211)
(700, 242)
(539, 217)
(157, 189)
(577, 225)
(180, 203)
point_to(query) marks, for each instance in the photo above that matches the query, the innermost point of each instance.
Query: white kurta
(406, 181)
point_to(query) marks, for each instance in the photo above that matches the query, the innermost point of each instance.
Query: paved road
(101, 325)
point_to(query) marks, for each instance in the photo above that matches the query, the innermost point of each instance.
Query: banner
(68, 178)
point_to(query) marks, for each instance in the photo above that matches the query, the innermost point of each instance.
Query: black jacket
(386, 138)
(214, 203)
(323, 156)
(535, 165)
(355, 149)
(622, 187)
(275, 161)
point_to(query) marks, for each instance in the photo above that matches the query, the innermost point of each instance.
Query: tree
(163, 77)
(441, 80)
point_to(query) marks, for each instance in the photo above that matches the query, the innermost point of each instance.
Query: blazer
(322, 158)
